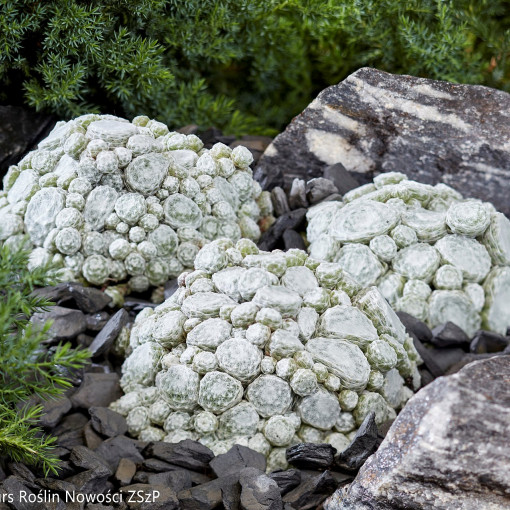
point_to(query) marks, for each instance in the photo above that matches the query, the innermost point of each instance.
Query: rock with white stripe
(375, 122)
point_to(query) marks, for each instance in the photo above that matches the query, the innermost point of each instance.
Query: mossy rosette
(106, 200)
(431, 252)
(264, 349)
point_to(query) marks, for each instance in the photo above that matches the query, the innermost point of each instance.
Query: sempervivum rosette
(267, 350)
(430, 252)
(107, 200)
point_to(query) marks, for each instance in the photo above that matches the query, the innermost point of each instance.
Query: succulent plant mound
(431, 253)
(108, 200)
(265, 349)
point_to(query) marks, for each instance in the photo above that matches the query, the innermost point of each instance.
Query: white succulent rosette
(107, 200)
(267, 350)
(430, 252)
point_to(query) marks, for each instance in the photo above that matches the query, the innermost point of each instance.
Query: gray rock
(97, 389)
(53, 411)
(286, 480)
(67, 323)
(207, 495)
(85, 458)
(125, 472)
(341, 178)
(87, 299)
(486, 342)
(431, 459)
(150, 497)
(258, 491)
(361, 447)
(318, 189)
(69, 431)
(92, 439)
(271, 237)
(297, 194)
(108, 334)
(416, 326)
(96, 321)
(292, 239)
(120, 447)
(449, 335)
(311, 456)
(15, 486)
(177, 480)
(237, 458)
(187, 454)
(376, 122)
(107, 422)
(311, 492)
(280, 203)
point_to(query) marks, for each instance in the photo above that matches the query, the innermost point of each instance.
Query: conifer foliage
(241, 65)
(27, 371)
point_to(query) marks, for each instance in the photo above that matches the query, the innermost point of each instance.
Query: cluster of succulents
(108, 200)
(265, 349)
(430, 252)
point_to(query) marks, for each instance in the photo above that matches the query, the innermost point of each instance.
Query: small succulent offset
(430, 252)
(265, 349)
(108, 200)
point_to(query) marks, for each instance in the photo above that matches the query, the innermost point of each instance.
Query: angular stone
(341, 178)
(105, 338)
(53, 411)
(363, 445)
(97, 389)
(187, 454)
(67, 323)
(430, 455)
(318, 189)
(150, 497)
(286, 480)
(237, 458)
(486, 342)
(280, 203)
(107, 422)
(125, 472)
(69, 431)
(297, 194)
(15, 487)
(258, 491)
(85, 458)
(86, 299)
(292, 239)
(92, 439)
(271, 237)
(311, 456)
(311, 492)
(389, 110)
(117, 448)
(449, 335)
(96, 322)
(416, 326)
(207, 495)
(177, 480)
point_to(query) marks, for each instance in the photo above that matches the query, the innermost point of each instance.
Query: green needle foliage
(27, 372)
(241, 65)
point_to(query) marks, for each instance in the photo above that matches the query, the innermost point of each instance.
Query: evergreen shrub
(241, 65)
(28, 373)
